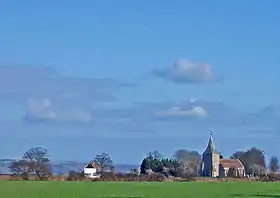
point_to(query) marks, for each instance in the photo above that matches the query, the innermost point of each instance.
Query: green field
(33, 189)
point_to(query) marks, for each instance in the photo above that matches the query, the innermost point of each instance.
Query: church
(213, 165)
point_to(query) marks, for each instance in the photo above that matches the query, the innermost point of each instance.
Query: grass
(51, 189)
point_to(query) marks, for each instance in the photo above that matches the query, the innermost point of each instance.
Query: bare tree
(188, 160)
(182, 156)
(252, 159)
(39, 162)
(104, 161)
(274, 164)
(257, 170)
(21, 169)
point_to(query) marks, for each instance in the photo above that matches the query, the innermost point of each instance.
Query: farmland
(50, 189)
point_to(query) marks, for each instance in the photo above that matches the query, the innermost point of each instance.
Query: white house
(91, 171)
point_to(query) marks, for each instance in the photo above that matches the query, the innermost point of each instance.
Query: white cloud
(45, 110)
(52, 96)
(213, 113)
(195, 111)
(184, 71)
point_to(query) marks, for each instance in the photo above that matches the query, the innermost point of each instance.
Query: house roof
(91, 164)
(210, 147)
(231, 163)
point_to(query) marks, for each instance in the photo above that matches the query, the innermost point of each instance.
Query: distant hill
(63, 167)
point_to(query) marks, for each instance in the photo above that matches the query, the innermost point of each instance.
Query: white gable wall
(91, 173)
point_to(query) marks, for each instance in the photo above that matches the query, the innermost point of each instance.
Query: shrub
(272, 177)
(108, 176)
(156, 177)
(75, 176)
(127, 177)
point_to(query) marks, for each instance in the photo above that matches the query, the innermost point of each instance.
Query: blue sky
(127, 77)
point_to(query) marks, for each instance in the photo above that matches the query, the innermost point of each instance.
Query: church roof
(210, 147)
(231, 163)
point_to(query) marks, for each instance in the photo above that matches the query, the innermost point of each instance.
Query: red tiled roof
(231, 163)
(94, 164)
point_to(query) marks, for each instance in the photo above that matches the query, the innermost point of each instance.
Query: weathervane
(211, 132)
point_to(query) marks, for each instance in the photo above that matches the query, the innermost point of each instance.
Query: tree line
(187, 163)
(35, 163)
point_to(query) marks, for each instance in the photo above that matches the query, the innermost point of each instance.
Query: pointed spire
(211, 146)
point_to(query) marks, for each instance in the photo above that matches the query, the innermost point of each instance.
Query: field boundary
(195, 179)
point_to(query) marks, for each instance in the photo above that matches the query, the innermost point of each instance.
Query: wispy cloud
(21, 82)
(45, 110)
(195, 111)
(183, 71)
(191, 118)
(51, 96)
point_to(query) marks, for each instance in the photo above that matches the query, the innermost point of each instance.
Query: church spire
(211, 146)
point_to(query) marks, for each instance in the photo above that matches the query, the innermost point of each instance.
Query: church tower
(210, 160)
